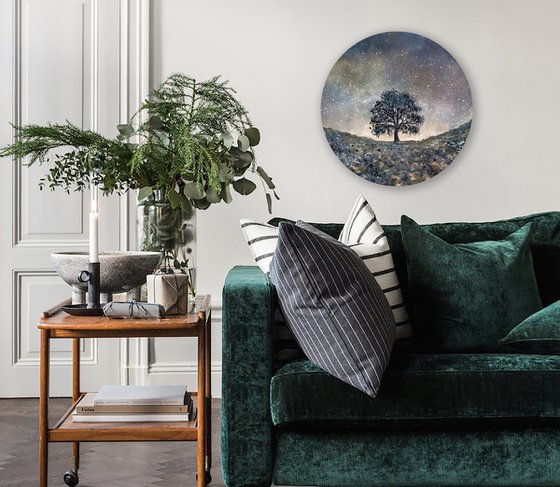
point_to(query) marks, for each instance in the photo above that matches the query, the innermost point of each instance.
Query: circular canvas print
(396, 108)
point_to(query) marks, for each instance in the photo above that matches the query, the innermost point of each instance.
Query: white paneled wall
(76, 60)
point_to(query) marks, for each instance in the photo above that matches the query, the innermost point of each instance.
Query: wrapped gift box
(169, 290)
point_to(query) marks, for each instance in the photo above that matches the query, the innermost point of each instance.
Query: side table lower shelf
(65, 430)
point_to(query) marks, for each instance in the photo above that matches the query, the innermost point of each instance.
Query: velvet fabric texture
(249, 302)
(467, 296)
(407, 458)
(545, 246)
(539, 333)
(422, 390)
(255, 452)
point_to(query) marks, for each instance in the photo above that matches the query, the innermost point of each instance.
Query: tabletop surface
(64, 321)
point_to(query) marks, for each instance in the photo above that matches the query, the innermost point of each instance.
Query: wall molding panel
(78, 46)
(33, 291)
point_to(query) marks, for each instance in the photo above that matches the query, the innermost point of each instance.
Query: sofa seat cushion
(421, 389)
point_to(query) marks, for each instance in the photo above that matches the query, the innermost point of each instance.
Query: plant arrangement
(192, 140)
(196, 141)
(188, 145)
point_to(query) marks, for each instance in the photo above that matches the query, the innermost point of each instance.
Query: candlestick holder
(93, 279)
(93, 282)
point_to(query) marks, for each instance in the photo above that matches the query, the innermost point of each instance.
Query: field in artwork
(405, 163)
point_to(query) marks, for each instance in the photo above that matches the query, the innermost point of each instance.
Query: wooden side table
(62, 325)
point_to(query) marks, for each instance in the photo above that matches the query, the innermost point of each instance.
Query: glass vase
(171, 231)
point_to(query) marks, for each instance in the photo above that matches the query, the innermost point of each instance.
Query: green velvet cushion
(469, 295)
(423, 390)
(411, 458)
(545, 245)
(539, 333)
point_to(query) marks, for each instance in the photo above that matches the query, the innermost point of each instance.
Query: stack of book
(135, 404)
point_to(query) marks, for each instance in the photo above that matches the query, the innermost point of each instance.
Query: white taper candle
(94, 226)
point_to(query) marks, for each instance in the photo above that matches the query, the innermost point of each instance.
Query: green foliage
(194, 190)
(244, 186)
(198, 139)
(144, 193)
(192, 140)
(265, 177)
(92, 159)
(253, 135)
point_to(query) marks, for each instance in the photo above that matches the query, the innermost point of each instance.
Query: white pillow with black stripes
(363, 233)
(262, 239)
(365, 236)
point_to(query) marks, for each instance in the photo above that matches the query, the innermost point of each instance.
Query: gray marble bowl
(120, 271)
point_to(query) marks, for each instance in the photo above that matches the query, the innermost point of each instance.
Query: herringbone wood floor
(102, 464)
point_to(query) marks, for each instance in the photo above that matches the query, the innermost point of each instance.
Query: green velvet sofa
(475, 419)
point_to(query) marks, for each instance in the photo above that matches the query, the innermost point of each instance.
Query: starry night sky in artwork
(405, 62)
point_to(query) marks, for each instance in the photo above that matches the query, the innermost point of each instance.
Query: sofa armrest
(249, 300)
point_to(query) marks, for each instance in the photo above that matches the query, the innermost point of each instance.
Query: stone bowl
(120, 271)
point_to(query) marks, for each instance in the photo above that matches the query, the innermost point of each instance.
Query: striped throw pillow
(365, 236)
(333, 305)
(262, 239)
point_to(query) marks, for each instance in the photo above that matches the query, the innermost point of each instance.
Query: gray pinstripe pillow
(333, 306)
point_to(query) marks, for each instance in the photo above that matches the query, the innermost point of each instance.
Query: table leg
(201, 397)
(208, 341)
(75, 395)
(44, 409)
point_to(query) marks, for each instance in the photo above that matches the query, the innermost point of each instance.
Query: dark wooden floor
(102, 464)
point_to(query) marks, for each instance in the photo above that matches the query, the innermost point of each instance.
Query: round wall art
(396, 108)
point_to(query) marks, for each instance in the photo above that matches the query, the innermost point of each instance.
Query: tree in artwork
(395, 112)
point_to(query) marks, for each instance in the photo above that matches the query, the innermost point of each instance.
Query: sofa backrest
(545, 246)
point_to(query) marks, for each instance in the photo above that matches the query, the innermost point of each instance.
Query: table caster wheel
(71, 478)
(207, 477)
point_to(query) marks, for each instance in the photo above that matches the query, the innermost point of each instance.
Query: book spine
(129, 418)
(138, 402)
(108, 409)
